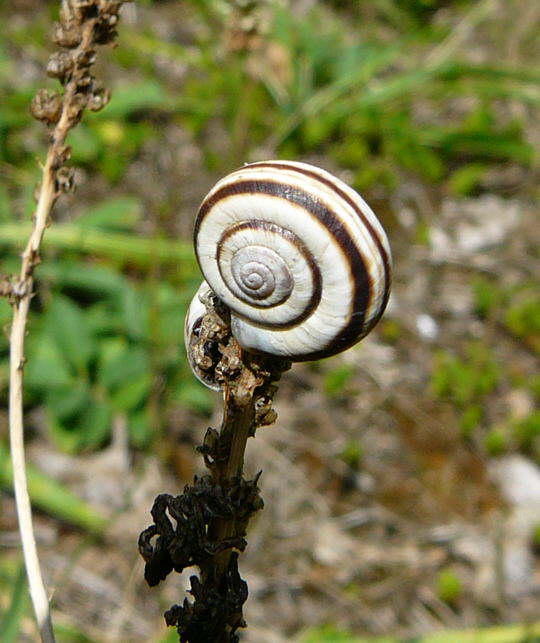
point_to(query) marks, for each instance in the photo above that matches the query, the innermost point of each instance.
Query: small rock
(427, 327)
(518, 479)
(472, 226)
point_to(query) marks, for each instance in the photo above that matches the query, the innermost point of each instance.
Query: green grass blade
(123, 248)
(331, 93)
(504, 634)
(52, 497)
(518, 633)
(10, 624)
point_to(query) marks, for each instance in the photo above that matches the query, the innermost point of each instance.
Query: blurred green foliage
(352, 454)
(449, 586)
(10, 620)
(102, 337)
(336, 380)
(503, 634)
(516, 309)
(52, 497)
(466, 382)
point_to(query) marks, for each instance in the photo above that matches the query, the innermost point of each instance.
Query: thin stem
(75, 98)
(237, 425)
(21, 306)
(238, 421)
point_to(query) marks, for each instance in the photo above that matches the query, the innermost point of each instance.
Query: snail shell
(192, 327)
(298, 257)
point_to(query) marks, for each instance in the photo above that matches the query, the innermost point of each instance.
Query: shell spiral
(298, 257)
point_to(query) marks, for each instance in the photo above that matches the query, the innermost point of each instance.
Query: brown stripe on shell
(354, 328)
(373, 233)
(257, 224)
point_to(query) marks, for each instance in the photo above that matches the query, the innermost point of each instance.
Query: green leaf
(465, 180)
(119, 363)
(52, 497)
(134, 313)
(47, 367)
(69, 402)
(496, 442)
(101, 320)
(336, 380)
(137, 97)
(66, 323)
(121, 214)
(140, 431)
(82, 276)
(87, 431)
(95, 425)
(10, 624)
(85, 144)
(449, 586)
(527, 432)
(132, 393)
(123, 248)
(195, 396)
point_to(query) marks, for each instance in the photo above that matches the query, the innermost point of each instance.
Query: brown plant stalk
(82, 25)
(212, 514)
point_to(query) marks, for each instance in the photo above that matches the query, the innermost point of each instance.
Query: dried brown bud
(85, 7)
(6, 287)
(104, 34)
(86, 58)
(63, 155)
(46, 106)
(60, 65)
(76, 107)
(98, 99)
(110, 20)
(85, 81)
(65, 179)
(66, 36)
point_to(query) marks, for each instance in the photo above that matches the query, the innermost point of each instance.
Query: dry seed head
(98, 99)
(86, 58)
(65, 179)
(66, 36)
(46, 106)
(76, 108)
(64, 154)
(60, 65)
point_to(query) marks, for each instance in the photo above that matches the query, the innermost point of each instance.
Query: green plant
(466, 382)
(516, 308)
(336, 380)
(449, 586)
(102, 337)
(10, 621)
(527, 433)
(352, 454)
(496, 441)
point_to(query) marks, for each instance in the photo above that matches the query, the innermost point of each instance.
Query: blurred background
(401, 480)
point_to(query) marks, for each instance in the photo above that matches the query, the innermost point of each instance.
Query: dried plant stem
(82, 25)
(212, 514)
(21, 295)
(238, 422)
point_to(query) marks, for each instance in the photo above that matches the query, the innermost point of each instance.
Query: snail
(297, 256)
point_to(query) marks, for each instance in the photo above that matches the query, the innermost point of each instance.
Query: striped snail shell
(192, 327)
(298, 257)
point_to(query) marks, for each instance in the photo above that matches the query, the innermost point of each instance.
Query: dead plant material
(83, 24)
(212, 514)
